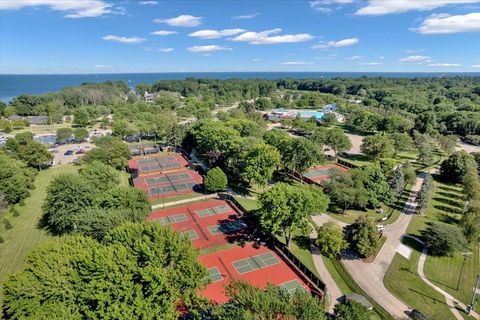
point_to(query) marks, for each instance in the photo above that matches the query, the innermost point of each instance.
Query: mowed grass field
(25, 234)
(403, 281)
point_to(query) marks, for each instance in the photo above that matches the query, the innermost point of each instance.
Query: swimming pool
(311, 114)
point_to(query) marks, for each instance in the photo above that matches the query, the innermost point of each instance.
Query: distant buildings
(280, 114)
(32, 120)
(148, 97)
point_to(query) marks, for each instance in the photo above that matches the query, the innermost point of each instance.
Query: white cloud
(336, 44)
(416, 59)
(256, 59)
(445, 23)
(414, 51)
(209, 48)
(183, 20)
(374, 63)
(102, 66)
(166, 49)
(268, 37)
(296, 63)
(325, 6)
(163, 32)
(246, 17)
(214, 34)
(352, 58)
(131, 40)
(73, 8)
(383, 7)
(476, 66)
(443, 65)
(148, 3)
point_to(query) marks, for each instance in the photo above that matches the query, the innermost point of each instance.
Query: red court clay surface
(320, 173)
(258, 266)
(207, 224)
(157, 163)
(169, 184)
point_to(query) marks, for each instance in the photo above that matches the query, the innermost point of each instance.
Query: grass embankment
(25, 234)
(403, 281)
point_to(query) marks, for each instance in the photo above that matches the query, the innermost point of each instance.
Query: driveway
(369, 276)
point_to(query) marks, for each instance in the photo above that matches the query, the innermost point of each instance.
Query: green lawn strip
(342, 285)
(221, 247)
(190, 195)
(447, 273)
(348, 281)
(247, 204)
(445, 206)
(25, 234)
(403, 281)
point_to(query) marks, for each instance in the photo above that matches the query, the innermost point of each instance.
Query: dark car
(68, 153)
(80, 151)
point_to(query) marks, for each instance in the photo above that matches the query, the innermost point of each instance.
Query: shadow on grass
(451, 195)
(303, 242)
(427, 296)
(451, 202)
(448, 209)
(447, 188)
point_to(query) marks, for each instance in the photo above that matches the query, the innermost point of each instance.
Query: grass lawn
(403, 282)
(300, 247)
(25, 236)
(43, 128)
(190, 195)
(247, 203)
(448, 274)
(446, 206)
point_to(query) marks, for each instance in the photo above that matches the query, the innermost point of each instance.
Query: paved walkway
(333, 292)
(174, 203)
(369, 276)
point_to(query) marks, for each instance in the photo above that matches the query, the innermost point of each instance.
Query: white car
(380, 228)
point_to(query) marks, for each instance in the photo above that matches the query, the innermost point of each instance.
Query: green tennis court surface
(320, 172)
(292, 286)
(212, 211)
(255, 263)
(156, 160)
(161, 166)
(226, 227)
(181, 217)
(172, 188)
(168, 178)
(190, 235)
(214, 275)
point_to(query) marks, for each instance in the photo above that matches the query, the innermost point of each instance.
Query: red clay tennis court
(169, 184)
(157, 163)
(320, 173)
(258, 266)
(206, 224)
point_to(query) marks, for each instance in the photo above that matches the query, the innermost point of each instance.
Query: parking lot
(59, 156)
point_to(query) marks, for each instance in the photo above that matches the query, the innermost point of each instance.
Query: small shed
(360, 299)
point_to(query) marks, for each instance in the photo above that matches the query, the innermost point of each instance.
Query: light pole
(471, 306)
(465, 256)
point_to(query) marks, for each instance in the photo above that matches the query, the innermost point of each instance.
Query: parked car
(80, 151)
(68, 153)
(380, 228)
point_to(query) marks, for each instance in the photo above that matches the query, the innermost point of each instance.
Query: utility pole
(471, 306)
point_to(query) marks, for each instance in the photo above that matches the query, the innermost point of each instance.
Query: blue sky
(105, 36)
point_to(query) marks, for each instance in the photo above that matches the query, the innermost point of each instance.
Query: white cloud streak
(445, 24)
(209, 48)
(183, 20)
(129, 40)
(383, 7)
(73, 8)
(337, 44)
(214, 34)
(270, 37)
(165, 49)
(163, 33)
(148, 3)
(102, 66)
(416, 59)
(296, 63)
(246, 17)
(443, 65)
(476, 66)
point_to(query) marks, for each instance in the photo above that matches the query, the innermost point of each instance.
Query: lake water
(13, 85)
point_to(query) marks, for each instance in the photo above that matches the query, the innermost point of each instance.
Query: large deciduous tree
(444, 239)
(377, 146)
(138, 271)
(15, 180)
(364, 236)
(330, 239)
(455, 166)
(215, 180)
(286, 208)
(110, 151)
(338, 140)
(258, 162)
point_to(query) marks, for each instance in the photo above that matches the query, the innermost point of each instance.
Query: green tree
(338, 140)
(141, 271)
(377, 146)
(124, 197)
(329, 119)
(471, 183)
(350, 310)
(80, 134)
(447, 143)
(424, 194)
(258, 163)
(263, 104)
(346, 193)
(397, 181)
(215, 180)
(101, 177)
(111, 151)
(122, 128)
(67, 196)
(470, 222)
(34, 154)
(248, 302)
(330, 239)
(286, 208)
(364, 236)
(300, 154)
(64, 133)
(444, 239)
(409, 173)
(81, 117)
(14, 180)
(402, 142)
(454, 167)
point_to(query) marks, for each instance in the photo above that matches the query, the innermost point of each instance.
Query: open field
(248, 204)
(25, 235)
(411, 289)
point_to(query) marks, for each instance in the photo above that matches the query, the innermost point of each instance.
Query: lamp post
(465, 256)
(471, 306)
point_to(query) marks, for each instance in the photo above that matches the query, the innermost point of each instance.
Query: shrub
(8, 225)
